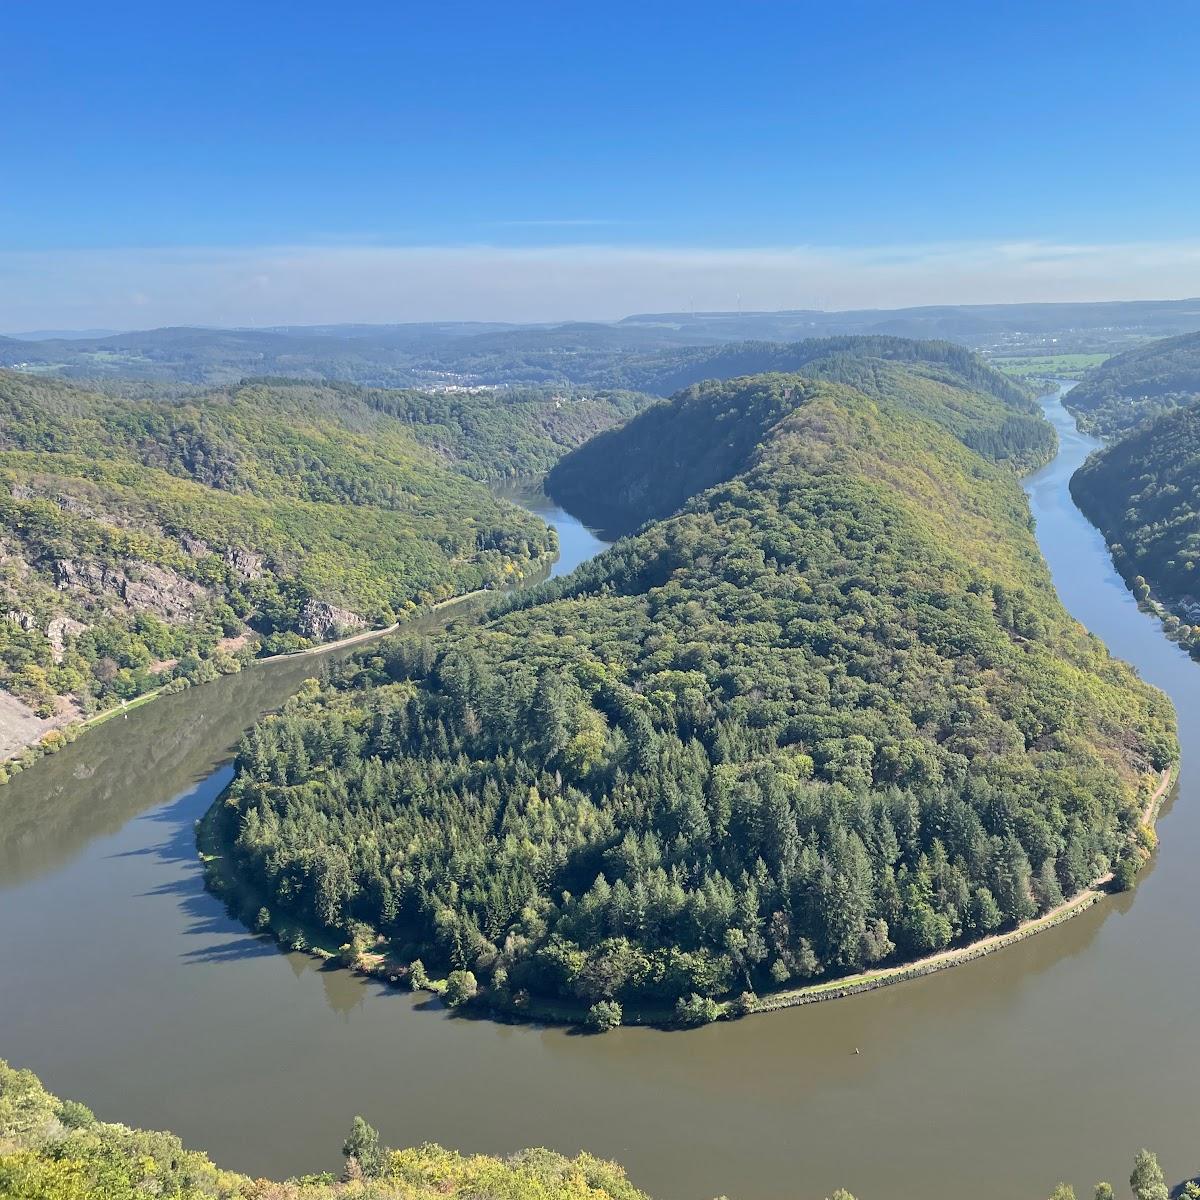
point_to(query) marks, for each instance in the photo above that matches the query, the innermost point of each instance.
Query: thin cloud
(556, 222)
(318, 284)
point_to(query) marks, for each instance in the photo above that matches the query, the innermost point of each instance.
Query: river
(125, 985)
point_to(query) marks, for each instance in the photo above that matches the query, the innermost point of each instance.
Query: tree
(696, 1010)
(1063, 1191)
(1046, 887)
(1147, 1179)
(604, 1015)
(363, 1149)
(1125, 874)
(1103, 1191)
(417, 978)
(461, 986)
(75, 1115)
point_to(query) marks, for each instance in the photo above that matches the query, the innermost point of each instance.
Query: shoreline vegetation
(53, 1149)
(56, 738)
(374, 963)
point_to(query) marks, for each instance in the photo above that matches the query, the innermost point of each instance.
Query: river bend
(126, 986)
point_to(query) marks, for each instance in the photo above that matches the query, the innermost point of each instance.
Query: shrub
(75, 1115)
(604, 1015)
(461, 986)
(1125, 874)
(696, 1010)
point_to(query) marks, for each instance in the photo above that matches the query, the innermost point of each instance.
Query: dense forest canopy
(507, 433)
(144, 536)
(1143, 492)
(1143, 382)
(671, 451)
(828, 713)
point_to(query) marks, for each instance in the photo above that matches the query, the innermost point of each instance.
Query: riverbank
(48, 738)
(870, 980)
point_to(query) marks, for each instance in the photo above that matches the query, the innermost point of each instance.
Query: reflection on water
(133, 991)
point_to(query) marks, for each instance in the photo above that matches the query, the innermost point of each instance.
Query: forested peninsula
(823, 711)
(151, 540)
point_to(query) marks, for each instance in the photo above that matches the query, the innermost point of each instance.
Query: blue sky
(185, 152)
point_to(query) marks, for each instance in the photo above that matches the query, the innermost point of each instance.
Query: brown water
(126, 986)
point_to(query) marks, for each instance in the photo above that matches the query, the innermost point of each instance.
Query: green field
(1064, 366)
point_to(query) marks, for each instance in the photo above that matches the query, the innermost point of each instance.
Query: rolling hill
(693, 446)
(148, 540)
(1141, 383)
(591, 354)
(1143, 493)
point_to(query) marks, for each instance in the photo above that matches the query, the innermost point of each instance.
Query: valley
(213, 1001)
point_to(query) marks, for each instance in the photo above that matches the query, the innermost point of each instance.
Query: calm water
(124, 985)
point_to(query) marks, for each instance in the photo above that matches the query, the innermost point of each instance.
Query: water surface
(126, 986)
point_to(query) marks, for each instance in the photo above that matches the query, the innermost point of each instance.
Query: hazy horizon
(476, 163)
(381, 285)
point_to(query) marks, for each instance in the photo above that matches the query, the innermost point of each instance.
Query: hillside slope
(1141, 383)
(1143, 493)
(670, 451)
(506, 433)
(830, 713)
(143, 537)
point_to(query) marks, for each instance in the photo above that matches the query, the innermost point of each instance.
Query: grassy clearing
(1062, 366)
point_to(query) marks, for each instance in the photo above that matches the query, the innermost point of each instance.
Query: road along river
(125, 985)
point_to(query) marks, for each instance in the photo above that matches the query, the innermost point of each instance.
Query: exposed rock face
(245, 562)
(91, 577)
(322, 621)
(73, 504)
(151, 588)
(59, 629)
(22, 619)
(20, 492)
(196, 547)
(161, 590)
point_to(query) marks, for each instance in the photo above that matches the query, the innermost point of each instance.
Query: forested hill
(670, 370)
(1141, 383)
(831, 713)
(1143, 492)
(648, 467)
(143, 538)
(505, 433)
